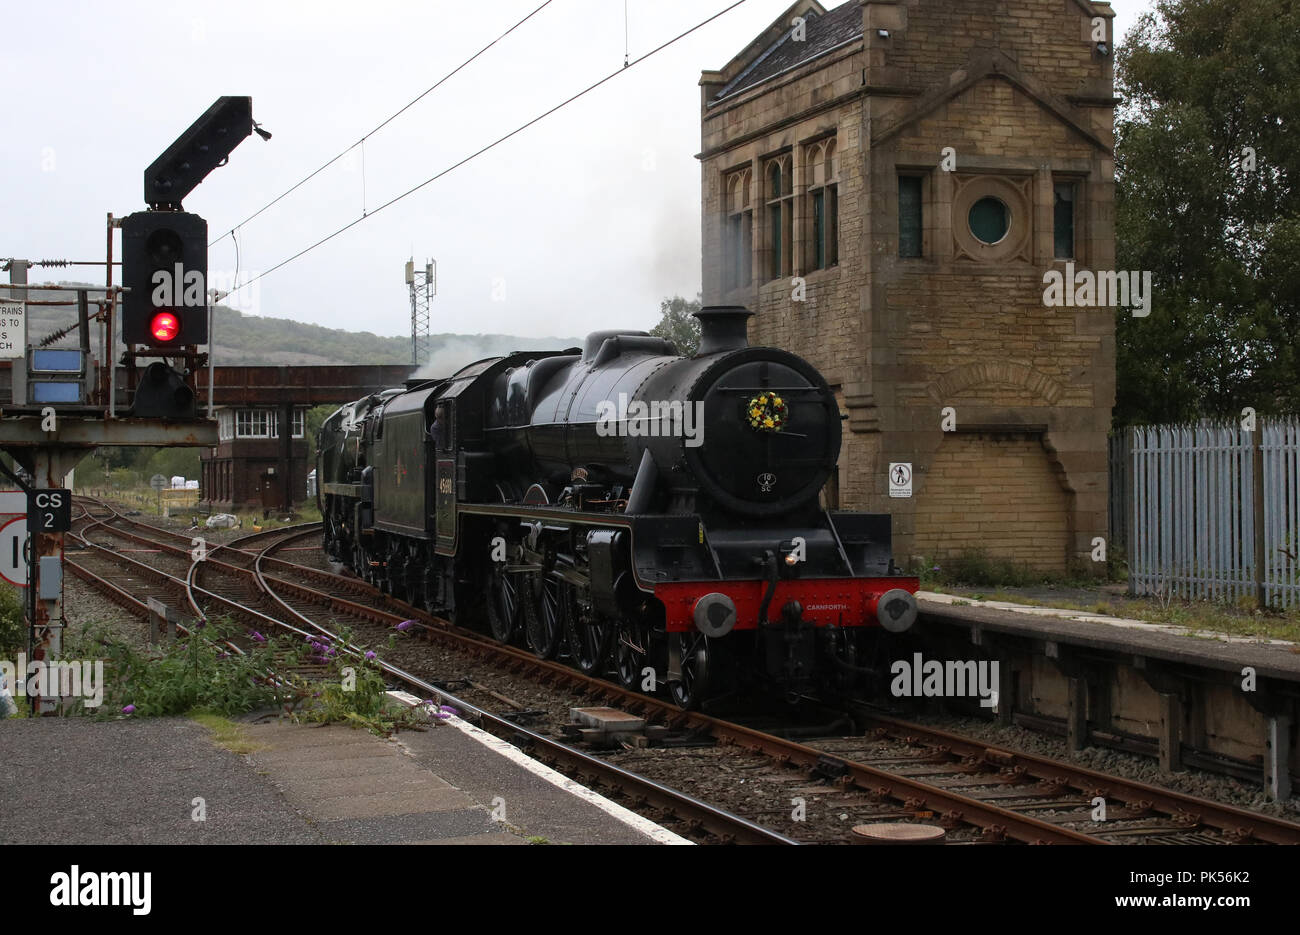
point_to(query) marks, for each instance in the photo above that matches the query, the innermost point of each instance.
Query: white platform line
(655, 832)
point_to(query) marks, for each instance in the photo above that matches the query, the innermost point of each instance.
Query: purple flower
(129, 709)
(309, 638)
(329, 650)
(935, 568)
(406, 624)
(448, 710)
(223, 655)
(258, 638)
(370, 654)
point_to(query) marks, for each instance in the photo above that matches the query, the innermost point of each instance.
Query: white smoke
(449, 357)
(452, 353)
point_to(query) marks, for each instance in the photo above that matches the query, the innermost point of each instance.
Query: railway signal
(165, 266)
(163, 394)
(165, 249)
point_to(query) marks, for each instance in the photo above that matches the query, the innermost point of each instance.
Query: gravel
(1222, 789)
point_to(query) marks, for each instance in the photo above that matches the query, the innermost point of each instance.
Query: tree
(315, 417)
(677, 323)
(1206, 199)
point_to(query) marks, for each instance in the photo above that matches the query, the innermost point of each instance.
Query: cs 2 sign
(50, 511)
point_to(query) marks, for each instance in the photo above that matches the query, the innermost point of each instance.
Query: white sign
(900, 478)
(13, 332)
(13, 558)
(158, 482)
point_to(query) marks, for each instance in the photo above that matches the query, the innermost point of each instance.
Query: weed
(226, 733)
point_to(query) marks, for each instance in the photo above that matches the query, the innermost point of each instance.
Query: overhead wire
(386, 122)
(497, 142)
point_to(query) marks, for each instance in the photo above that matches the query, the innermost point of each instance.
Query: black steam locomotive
(637, 509)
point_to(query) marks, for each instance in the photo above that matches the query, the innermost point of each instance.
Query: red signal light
(164, 326)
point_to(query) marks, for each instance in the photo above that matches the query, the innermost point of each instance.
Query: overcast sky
(585, 220)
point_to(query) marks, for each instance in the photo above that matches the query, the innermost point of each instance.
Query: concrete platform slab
(433, 827)
(151, 781)
(1271, 658)
(476, 839)
(379, 804)
(134, 782)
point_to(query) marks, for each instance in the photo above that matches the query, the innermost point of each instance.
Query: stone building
(886, 185)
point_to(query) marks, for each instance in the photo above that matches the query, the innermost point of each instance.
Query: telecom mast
(424, 286)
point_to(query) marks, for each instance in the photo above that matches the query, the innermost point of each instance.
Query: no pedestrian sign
(900, 478)
(13, 551)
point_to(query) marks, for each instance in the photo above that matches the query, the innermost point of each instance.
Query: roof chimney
(723, 328)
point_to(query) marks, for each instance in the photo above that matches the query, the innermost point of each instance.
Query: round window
(989, 219)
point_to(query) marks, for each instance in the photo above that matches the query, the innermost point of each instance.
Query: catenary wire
(495, 143)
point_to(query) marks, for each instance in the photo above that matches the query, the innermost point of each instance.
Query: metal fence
(1209, 510)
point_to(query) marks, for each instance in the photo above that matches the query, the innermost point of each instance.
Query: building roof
(822, 33)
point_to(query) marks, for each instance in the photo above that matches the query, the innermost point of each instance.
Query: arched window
(738, 234)
(822, 209)
(779, 197)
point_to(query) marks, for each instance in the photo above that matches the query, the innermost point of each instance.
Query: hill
(252, 339)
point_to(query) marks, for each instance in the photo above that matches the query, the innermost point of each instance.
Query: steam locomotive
(637, 509)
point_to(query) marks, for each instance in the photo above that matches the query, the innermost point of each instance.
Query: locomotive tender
(634, 507)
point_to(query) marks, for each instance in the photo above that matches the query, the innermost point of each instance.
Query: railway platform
(1278, 659)
(168, 781)
(1188, 697)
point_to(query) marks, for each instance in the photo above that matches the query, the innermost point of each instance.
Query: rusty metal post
(49, 467)
(286, 453)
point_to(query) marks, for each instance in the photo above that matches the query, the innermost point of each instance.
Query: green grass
(976, 568)
(225, 733)
(13, 633)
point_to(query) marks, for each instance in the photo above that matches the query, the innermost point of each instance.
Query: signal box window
(779, 196)
(823, 211)
(1063, 197)
(738, 233)
(254, 423)
(909, 215)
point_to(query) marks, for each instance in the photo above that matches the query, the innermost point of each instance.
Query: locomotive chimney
(723, 328)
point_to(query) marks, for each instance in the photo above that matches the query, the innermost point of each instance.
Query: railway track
(896, 772)
(239, 561)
